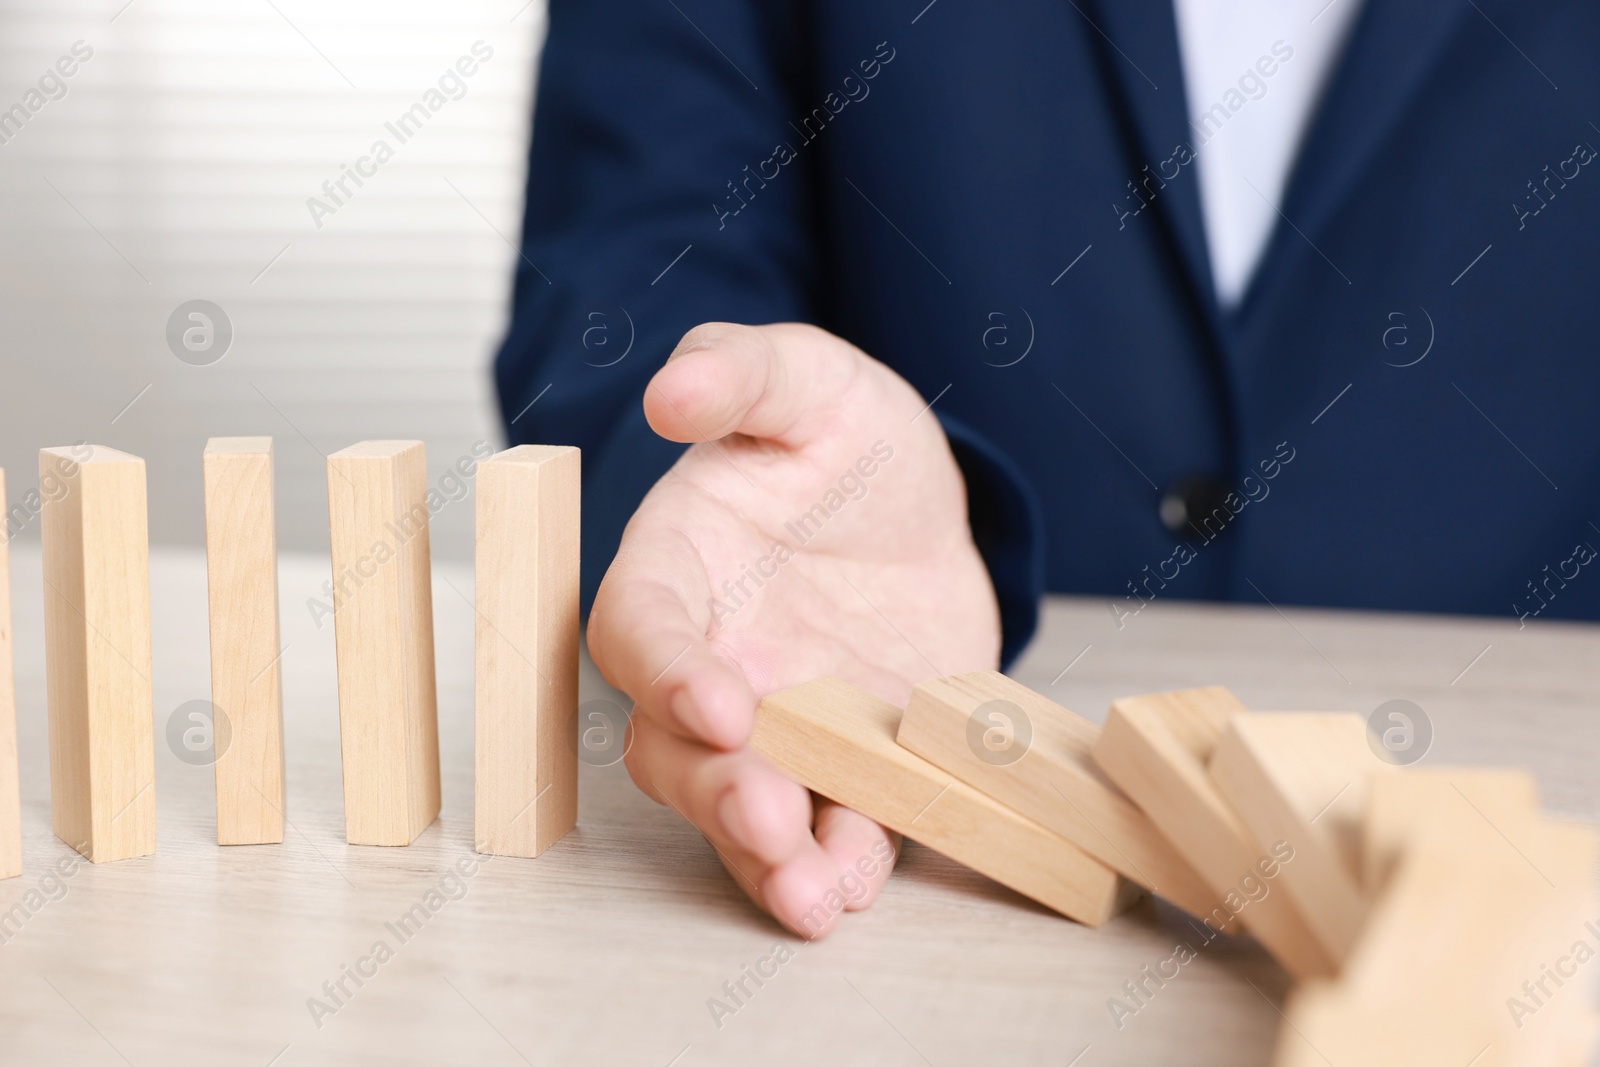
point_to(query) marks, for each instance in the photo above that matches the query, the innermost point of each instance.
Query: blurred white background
(177, 166)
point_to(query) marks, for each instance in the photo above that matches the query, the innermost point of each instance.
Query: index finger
(647, 635)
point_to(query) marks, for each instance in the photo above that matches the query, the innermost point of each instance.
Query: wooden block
(1156, 749)
(10, 794)
(1456, 935)
(1482, 897)
(838, 741)
(1402, 1001)
(383, 626)
(1453, 870)
(526, 709)
(1540, 984)
(1433, 922)
(1302, 778)
(1533, 883)
(1051, 778)
(1398, 807)
(1575, 1045)
(97, 652)
(1325, 1025)
(246, 684)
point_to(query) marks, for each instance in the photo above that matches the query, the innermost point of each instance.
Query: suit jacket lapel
(1392, 50)
(1139, 40)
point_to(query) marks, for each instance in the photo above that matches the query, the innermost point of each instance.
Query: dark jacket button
(1188, 502)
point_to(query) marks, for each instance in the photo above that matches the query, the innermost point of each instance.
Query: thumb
(783, 383)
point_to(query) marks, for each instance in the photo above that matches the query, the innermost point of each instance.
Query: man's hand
(818, 526)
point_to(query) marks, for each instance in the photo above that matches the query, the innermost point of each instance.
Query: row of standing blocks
(98, 659)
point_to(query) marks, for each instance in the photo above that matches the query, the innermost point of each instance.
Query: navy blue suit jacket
(999, 201)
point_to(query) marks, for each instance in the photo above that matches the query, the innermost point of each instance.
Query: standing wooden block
(383, 626)
(1302, 778)
(10, 794)
(526, 708)
(838, 741)
(246, 686)
(97, 652)
(1156, 749)
(1050, 776)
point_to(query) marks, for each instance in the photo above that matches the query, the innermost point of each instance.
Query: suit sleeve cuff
(1008, 528)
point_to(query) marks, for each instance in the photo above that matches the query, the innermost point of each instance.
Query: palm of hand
(818, 527)
(847, 556)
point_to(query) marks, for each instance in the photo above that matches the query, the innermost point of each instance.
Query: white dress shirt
(1254, 72)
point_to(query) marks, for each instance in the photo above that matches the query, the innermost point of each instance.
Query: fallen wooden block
(1538, 877)
(383, 626)
(1454, 963)
(1458, 865)
(1439, 799)
(246, 684)
(1302, 778)
(1156, 748)
(838, 741)
(10, 794)
(1326, 1025)
(1575, 1045)
(97, 652)
(1403, 1004)
(525, 787)
(1050, 777)
(1540, 989)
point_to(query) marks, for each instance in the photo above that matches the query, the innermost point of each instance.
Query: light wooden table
(607, 949)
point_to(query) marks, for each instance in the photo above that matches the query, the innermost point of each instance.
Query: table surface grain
(609, 947)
